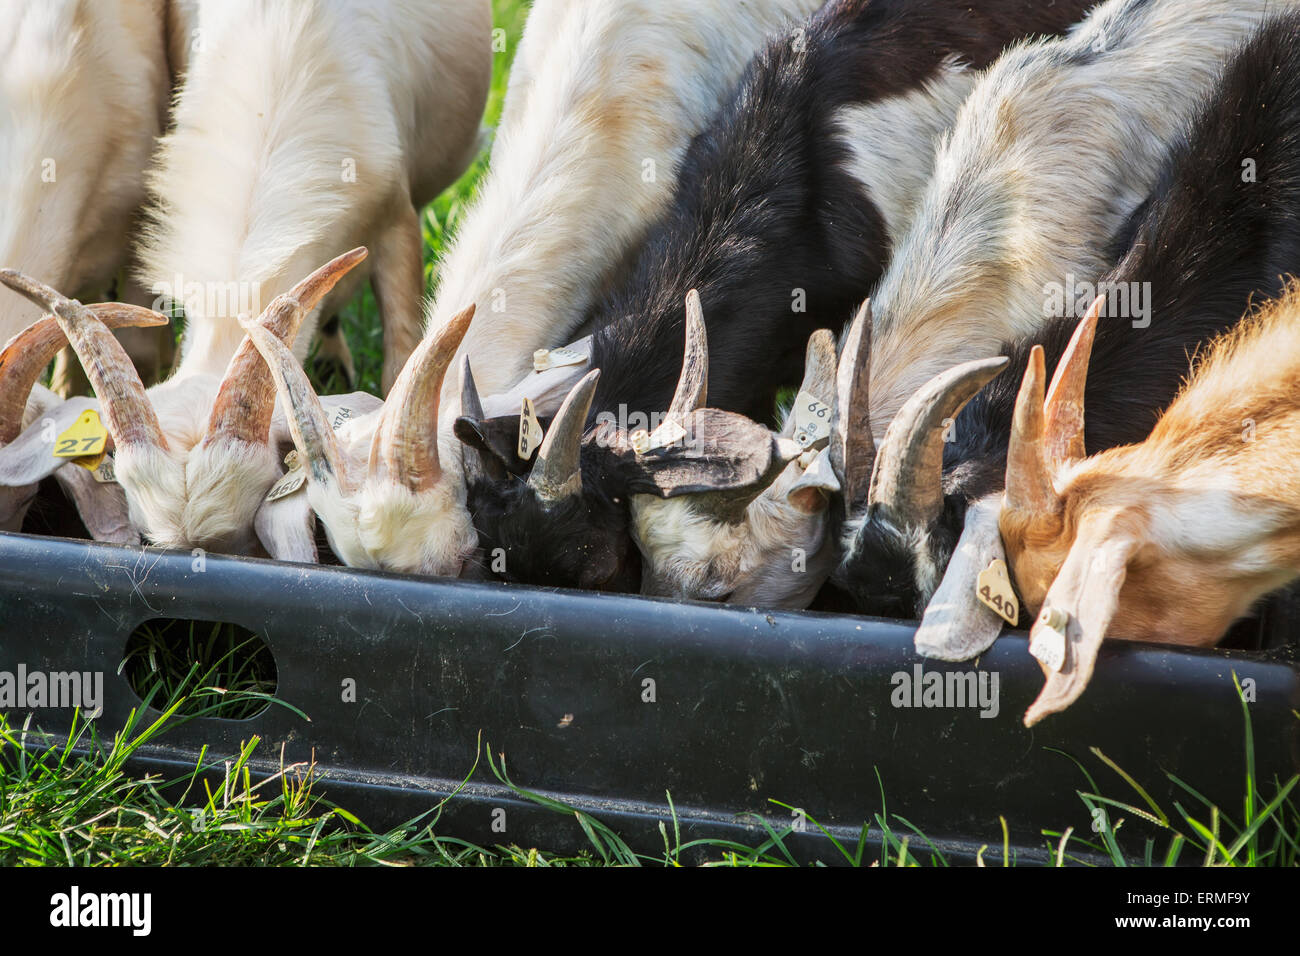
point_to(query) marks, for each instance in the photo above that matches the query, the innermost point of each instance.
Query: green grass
(72, 802)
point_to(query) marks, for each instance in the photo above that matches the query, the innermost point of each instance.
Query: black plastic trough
(610, 702)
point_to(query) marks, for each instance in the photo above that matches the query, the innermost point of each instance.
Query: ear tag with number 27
(84, 442)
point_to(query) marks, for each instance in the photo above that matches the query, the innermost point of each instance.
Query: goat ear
(101, 507)
(1063, 407)
(725, 459)
(811, 492)
(1086, 596)
(956, 626)
(29, 458)
(287, 529)
(494, 442)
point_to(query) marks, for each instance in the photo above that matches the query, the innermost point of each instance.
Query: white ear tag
(1049, 641)
(530, 431)
(993, 588)
(812, 420)
(546, 359)
(292, 480)
(105, 474)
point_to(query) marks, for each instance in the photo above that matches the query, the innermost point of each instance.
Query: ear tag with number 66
(993, 588)
(86, 439)
(812, 420)
(530, 431)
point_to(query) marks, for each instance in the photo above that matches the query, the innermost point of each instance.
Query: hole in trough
(222, 670)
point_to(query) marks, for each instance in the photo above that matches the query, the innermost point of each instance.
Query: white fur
(278, 96)
(1047, 160)
(892, 142)
(83, 85)
(250, 194)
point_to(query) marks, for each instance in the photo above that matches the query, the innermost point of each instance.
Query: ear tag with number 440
(993, 588)
(530, 431)
(84, 442)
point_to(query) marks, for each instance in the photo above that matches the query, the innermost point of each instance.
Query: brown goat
(1170, 540)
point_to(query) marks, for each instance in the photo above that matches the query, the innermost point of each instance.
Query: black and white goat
(604, 97)
(783, 218)
(300, 129)
(1218, 230)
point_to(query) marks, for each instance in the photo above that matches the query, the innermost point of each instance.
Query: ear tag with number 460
(84, 442)
(530, 431)
(993, 588)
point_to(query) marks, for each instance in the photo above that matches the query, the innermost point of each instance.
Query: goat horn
(246, 402)
(407, 440)
(557, 473)
(909, 472)
(471, 405)
(693, 385)
(309, 425)
(27, 354)
(131, 419)
(1063, 410)
(1029, 485)
(852, 448)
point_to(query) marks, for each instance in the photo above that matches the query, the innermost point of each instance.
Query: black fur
(1207, 241)
(764, 206)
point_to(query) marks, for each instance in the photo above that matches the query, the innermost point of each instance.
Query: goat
(604, 98)
(83, 98)
(781, 222)
(972, 275)
(387, 115)
(1210, 238)
(1170, 540)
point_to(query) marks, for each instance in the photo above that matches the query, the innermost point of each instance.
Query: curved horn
(246, 401)
(1029, 485)
(852, 448)
(27, 354)
(308, 423)
(1063, 410)
(557, 474)
(407, 440)
(131, 419)
(909, 475)
(693, 385)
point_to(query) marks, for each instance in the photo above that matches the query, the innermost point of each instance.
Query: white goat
(84, 90)
(604, 100)
(302, 128)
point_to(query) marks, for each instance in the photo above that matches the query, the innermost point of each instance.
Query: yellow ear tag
(530, 431)
(84, 442)
(993, 588)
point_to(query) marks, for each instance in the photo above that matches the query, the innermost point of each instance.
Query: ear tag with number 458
(84, 442)
(993, 588)
(530, 431)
